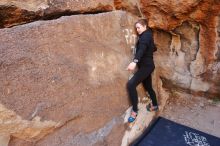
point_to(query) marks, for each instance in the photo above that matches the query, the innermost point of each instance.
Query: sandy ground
(196, 112)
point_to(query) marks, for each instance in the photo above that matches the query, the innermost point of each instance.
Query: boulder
(190, 54)
(18, 12)
(70, 71)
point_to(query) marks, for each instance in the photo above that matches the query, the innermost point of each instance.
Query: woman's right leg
(138, 77)
(132, 92)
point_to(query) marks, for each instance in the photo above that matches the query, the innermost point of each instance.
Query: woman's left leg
(138, 77)
(147, 83)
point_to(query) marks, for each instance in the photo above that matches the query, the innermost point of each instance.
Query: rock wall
(70, 71)
(187, 32)
(62, 78)
(18, 12)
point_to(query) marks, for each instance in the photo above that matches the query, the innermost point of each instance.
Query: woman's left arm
(142, 47)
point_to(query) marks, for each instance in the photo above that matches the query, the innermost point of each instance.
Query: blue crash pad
(164, 132)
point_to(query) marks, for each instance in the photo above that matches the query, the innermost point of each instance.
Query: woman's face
(140, 28)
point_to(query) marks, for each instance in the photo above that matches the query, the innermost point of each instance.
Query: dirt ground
(197, 112)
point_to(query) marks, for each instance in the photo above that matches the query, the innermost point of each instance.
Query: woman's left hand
(131, 66)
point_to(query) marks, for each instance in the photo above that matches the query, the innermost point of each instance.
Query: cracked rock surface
(62, 67)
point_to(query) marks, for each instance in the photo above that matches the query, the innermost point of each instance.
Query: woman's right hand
(131, 66)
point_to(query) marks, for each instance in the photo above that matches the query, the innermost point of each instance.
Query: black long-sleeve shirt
(144, 49)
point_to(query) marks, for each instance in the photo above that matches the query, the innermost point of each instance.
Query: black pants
(142, 75)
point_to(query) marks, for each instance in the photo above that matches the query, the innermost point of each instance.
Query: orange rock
(70, 70)
(19, 12)
(173, 12)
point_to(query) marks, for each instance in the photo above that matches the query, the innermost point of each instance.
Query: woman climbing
(143, 59)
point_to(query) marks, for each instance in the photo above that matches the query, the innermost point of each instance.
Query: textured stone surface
(196, 112)
(179, 59)
(4, 139)
(17, 12)
(62, 70)
(10, 123)
(82, 5)
(193, 48)
(169, 14)
(132, 6)
(70, 70)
